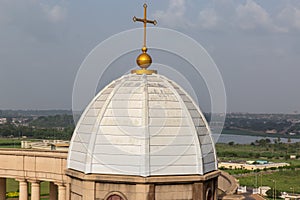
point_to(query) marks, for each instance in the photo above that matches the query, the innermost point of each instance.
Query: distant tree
(263, 142)
(286, 157)
(270, 193)
(231, 143)
(279, 139)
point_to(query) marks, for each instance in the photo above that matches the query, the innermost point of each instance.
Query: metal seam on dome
(146, 128)
(198, 150)
(100, 115)
(82, 117)
(204, 120)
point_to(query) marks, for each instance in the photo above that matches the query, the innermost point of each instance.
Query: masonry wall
(101, 187)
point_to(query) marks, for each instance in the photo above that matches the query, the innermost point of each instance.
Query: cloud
(251, 16)
(13, 11)
(290, 17)
(55, 13)
(208, 19)
(32, 19)
(222, 15)
(174, 16)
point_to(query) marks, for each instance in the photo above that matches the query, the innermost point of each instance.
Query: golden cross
(145, 21)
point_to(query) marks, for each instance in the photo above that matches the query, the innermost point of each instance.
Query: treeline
(53, 121)
(257, 155)
(30, 113)
(44, 127)
(260, 125)
(37, 133)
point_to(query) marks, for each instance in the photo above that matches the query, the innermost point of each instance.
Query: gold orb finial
(144, 60)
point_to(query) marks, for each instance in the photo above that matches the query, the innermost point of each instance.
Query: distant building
(3, 120)
(58, 145)
(254, 166)
(288, 196)
(242, 189)
(261, 162)
(273, 131)
(263, 190)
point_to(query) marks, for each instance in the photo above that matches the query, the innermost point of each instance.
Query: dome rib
(83, 146)
(198, 150)
(145, 169)
(96, 127)
(212, 152)
(142, 125)
(206, 125)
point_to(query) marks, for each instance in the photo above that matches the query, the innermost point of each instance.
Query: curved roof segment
(142, 125)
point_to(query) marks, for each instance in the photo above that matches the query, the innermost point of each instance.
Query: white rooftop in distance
(142, 125)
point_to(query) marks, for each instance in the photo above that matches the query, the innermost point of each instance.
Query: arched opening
(115, 197)
(209, 194)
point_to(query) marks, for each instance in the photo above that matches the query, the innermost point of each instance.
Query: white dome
(142, 125)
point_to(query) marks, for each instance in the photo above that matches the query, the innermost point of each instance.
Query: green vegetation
(32, 113)
(286, 178)
(258, 124)
(52, 121)
(10, 143)
(272, 193)
(43, 127)
(278, 125)
(260, 149)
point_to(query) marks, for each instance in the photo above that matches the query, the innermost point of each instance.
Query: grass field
(10, 143)
(286, 181)
(269, 151)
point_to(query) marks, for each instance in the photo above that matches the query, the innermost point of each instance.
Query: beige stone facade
(101, 187)
(34, 167)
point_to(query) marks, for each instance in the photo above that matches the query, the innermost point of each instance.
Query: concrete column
(61, 192)
(2, 188)
(35, 190)
(23, 189)
(52, 191)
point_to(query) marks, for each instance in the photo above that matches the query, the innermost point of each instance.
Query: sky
(255, 44)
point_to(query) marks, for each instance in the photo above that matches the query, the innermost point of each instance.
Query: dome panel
(142, 125)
